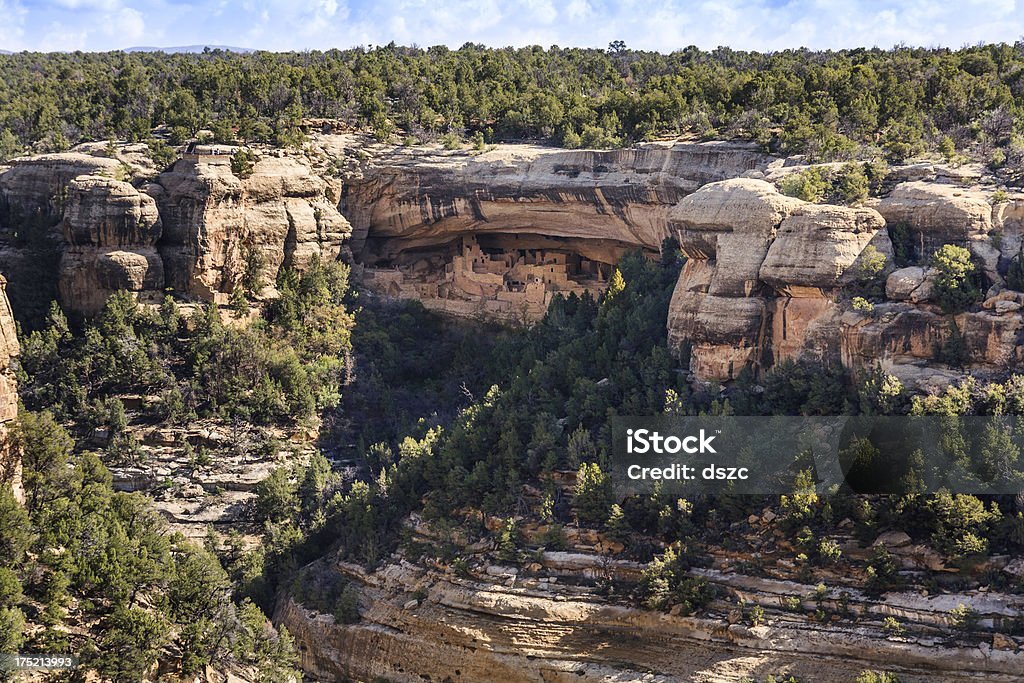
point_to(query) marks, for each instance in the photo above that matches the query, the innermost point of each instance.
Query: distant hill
(189, 48)
(6, 52)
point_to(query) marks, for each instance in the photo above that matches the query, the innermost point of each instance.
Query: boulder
(892, 539)
(104, 212)
(913, 283)
(936, 214)
(732, 224)
(129, 270)
(817, 244)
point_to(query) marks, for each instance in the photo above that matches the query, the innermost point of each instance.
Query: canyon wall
(550, 623)
(771, 277)
(191, 230)
(499, 232)
(768, 277)
(407, 198)
(417, 215)
(10, 460)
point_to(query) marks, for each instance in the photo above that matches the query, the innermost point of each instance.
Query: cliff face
(193, 229)
(10, 461)
(763, 274)
(406, 199)
(499, 233)
(504, 624)
(771, 278)
(215, 222)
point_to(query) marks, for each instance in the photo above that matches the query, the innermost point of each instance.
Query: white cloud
(662, 25)
(105, 5)
(126, 24)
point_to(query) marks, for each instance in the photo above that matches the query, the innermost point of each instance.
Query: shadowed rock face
(192, 230)
(407, 199)
(214, 221)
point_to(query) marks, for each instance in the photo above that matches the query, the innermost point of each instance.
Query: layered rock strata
(501, 625)
(10, 460)
(763, 274)
(571, 215)
(771, 278)
(193, 230)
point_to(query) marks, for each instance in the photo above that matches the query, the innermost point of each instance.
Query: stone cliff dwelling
(498, 276)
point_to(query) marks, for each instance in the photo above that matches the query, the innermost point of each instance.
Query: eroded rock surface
(192, 230)
(763, 276)
(415, 214)
(215, 221)
(10, 460)
(496, 625)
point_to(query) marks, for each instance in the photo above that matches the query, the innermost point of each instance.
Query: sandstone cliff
(551, 624)
(10, 462)
(771, 278)
(191, 229)
(539, 221)
(599, 201)
(498, 233)
(214, 221)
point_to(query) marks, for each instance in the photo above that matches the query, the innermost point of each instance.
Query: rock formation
(10, 461)
(549, 624)
(771, 278)
(762, 276)
(281, 214)
(411, 210)
(191, 230)
(110, 230)
(500, 232)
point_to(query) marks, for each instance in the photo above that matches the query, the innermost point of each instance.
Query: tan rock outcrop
(763, 275)
(213, 220)
(502, 626)
(937, 214)
(10, 460)
(37, 184)
(110, 231)
(191, 230)
(913, 284)
(406, 198)
(816, 246)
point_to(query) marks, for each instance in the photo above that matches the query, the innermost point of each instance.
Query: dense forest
(451, 420)
(86, 569)
(829, 105)
(460, 421)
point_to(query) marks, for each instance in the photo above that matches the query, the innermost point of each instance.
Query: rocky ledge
(552, 624)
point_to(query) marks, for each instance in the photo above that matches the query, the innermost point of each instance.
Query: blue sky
(665, 25)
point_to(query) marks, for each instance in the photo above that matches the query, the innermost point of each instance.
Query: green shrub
(869, 676)
(665, 584)
(808, 185)
(964, 618)
(1015, 273)
(903, 247)
(451, 141)
(850, 185)
(955, 288)
(242, 163)
(593, 499)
